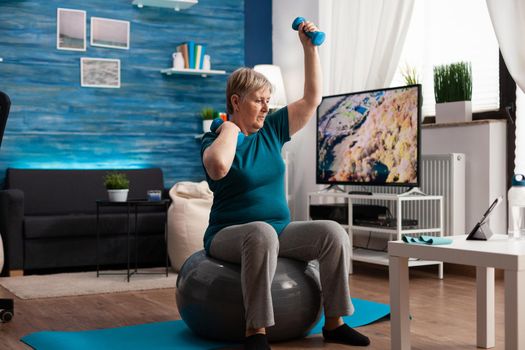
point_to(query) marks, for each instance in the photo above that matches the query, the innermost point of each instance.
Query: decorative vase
(206, 64)
(454, 112)
(206, 125)
(178, 60)
(118, 195)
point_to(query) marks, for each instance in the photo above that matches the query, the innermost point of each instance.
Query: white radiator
(441, 174)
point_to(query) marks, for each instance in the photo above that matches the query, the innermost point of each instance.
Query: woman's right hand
(227, 125)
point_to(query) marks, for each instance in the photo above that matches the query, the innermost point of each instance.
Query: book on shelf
(183, 48)
(201, 57)
(198, 56)
(193, 54)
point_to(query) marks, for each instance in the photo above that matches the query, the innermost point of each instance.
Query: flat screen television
(370, 138)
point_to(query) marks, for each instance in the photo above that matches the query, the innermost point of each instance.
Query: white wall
(288, 54)
(484, 145)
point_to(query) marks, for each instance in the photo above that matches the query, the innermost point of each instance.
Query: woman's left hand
(308, 27)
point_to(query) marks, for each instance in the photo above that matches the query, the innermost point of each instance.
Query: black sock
(256, 342)
(345, 335)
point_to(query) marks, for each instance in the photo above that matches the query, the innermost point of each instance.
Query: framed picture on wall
(111, 33)
(71, 29)
(99, 72)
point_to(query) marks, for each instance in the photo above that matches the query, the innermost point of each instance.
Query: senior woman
(250, 221)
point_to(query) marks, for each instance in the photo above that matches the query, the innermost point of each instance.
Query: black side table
(133, 204)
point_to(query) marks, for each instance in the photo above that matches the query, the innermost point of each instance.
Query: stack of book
(193, 54)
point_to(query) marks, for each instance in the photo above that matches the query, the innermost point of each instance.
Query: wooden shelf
(201, 72)
(177, 5)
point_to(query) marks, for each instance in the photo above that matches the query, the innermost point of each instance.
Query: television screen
(369, 137)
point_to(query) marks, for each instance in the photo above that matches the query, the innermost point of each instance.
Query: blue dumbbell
(218, 122)
(317, 38)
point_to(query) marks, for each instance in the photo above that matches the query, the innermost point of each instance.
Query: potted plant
(410, 75)
(207, 114)
(453, 91)
(117, 185)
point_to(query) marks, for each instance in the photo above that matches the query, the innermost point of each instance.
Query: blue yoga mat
(366, 312)
(169, 335)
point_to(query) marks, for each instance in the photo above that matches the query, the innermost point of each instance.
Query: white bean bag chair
(188, 217)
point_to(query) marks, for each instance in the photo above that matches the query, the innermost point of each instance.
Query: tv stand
(413, 191)
(400, 205)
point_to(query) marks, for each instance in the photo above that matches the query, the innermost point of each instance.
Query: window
(447, 31)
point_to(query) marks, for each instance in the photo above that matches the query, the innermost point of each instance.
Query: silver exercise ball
(210, 302)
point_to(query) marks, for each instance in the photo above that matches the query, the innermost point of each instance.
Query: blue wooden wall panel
(151, 120)
(258, 32)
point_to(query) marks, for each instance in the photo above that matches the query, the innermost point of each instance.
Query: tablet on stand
(482, 231)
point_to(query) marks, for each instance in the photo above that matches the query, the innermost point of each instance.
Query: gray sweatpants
(256, 247)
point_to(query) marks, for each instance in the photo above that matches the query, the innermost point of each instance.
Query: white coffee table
(498, 252)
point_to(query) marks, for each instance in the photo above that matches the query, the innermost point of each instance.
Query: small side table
(129, 205)
(499, 252)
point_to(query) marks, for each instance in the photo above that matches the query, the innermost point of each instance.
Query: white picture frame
(100, 72)
(71, 29)
(112, 33)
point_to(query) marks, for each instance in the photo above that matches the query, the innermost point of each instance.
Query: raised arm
(218, 157)
(300, 111)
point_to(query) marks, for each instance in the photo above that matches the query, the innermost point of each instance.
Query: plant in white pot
(453, 92)
(410, 75)
(207, 114)
(117, 185)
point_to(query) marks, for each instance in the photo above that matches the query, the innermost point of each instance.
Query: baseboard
(16, 273)
(451, 269)
(466, 270)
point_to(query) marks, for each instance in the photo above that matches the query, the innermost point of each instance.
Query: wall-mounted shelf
(201, 72)
(177, 5)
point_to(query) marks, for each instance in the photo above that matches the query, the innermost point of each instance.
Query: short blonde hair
(242, 82)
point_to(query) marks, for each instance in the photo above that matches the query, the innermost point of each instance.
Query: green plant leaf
(116, 181)
(410, 75)
(453, 82)
(207, 113)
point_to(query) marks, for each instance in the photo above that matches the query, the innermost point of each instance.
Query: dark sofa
(48, 220)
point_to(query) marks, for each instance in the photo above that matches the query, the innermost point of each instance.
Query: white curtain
(519, 157)
(508, 19)
(367, 40)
